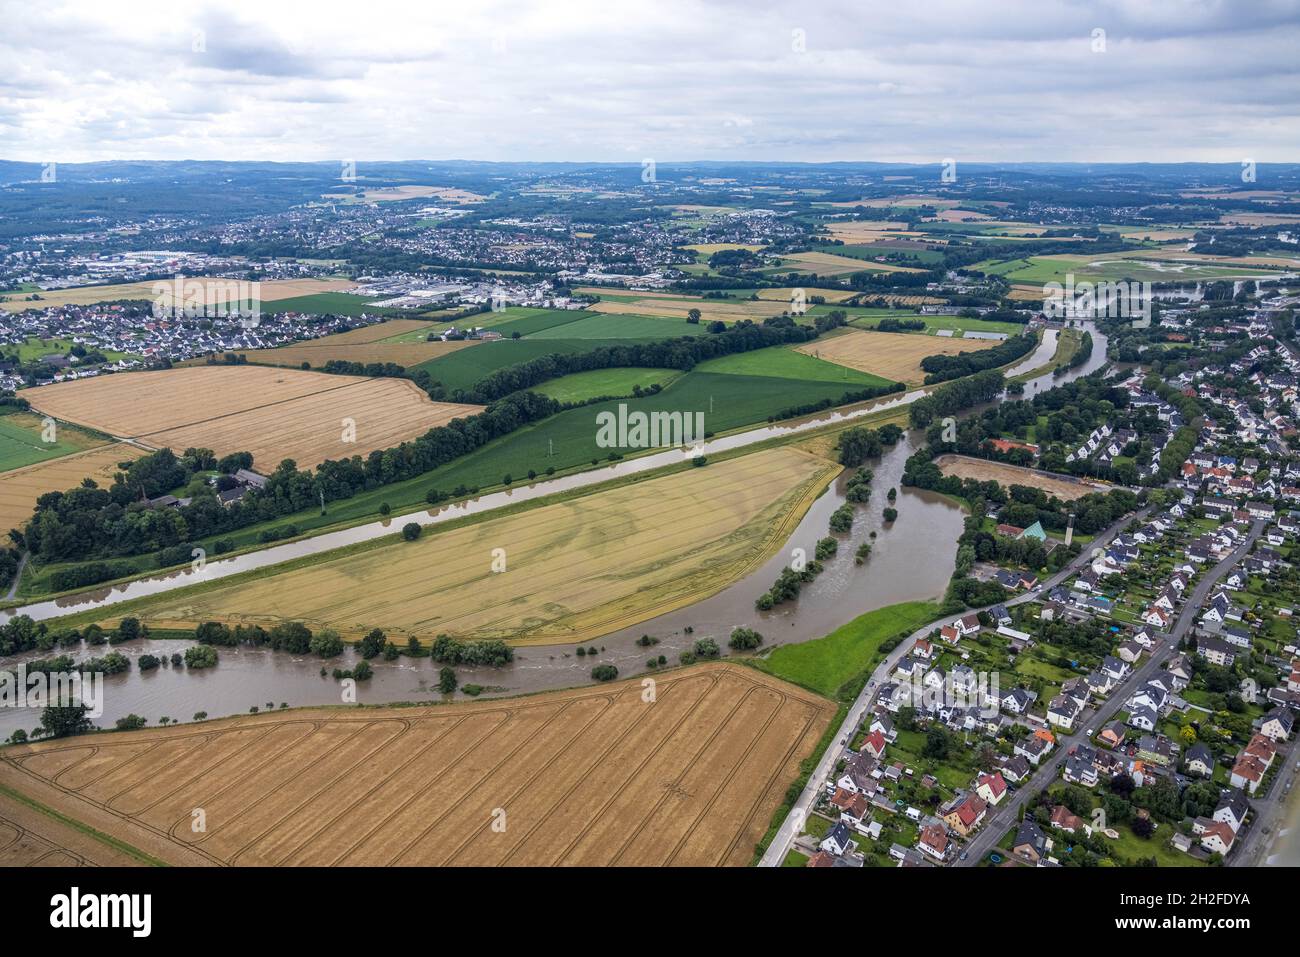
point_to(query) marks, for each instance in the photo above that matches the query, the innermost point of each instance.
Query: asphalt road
(793, 823)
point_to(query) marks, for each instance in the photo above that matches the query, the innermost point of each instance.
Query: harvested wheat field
(32, 838)
(786, 293)
(273, 413)
(20, 488)
(596, 776)
(868, 230)
(889, 354)
(193, 290)
(961, 216)
(1023, 292)
(133, 404)
(710, 310)
(984, 470)
(830, 264)
(575, 570)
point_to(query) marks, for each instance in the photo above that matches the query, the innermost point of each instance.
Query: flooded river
(912, 558)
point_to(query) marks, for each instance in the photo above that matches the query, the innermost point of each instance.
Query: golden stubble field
(892, 355)
(830, 264)
(686, 771)
(575, 569)
(273, 413)
(20, 488)
(31, 838)
(710, 310)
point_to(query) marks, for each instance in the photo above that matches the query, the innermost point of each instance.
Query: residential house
(1199, 760)
(1030, 843)
(991, 787)
(1277, 724)
(934, 842)
(966, 814)
(836, 841)
(1063, 819)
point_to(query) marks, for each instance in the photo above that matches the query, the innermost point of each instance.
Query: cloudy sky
(611, 80)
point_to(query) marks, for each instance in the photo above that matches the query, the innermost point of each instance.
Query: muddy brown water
(912, 559)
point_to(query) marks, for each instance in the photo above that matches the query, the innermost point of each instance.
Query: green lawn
(826, 664)
(784, 362)
(20, 441)
(33, 348)
(582, 386)
(1132, 847)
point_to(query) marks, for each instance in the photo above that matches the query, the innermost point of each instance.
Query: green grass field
(826, 664)
(582, 386)
(528, 321)
(1110, 268)
(609, 326)
(20, 441)
(783, 362)
(461, 369)
(333, 303)
(569, 438)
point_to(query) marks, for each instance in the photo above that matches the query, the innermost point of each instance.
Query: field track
(601, 776)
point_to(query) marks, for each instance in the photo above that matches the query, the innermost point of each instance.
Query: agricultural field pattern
(508, 435)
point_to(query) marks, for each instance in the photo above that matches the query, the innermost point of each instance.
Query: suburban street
(793, 823)
(1007, 814)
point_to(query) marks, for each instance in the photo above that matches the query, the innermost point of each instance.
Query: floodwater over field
(911, 558)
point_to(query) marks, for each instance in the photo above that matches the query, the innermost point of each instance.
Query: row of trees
(956, 397)
(683, 353)
(942, 368)
(91, 523)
